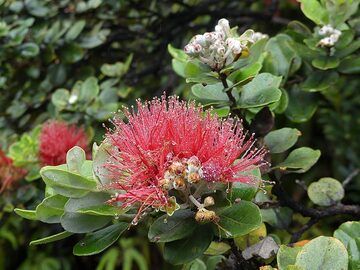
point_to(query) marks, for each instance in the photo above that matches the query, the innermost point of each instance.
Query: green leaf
(350, 65)
(245, 191)
(195, 265)
(75, 222)
(75, 159)
(280, 140)
(102, 210)
(75, 30)
(315, 11)
(29, 50)
(51, 238)
(325, 192)
(323, 253)
(349, 234)
(319, 81)
(51, 209)
(261, 91)
(212, 92)
(301, 107)
(98, 241)
(253, 237)
(217, 248)
(177, 53)
(27, 214)
(60, 98)
(287, 256)
(325, 62)
(100, 157)
(170, 228)
(238, 219)
(300, 160)
(187, 249)
(279, 217)
(67, 183)
(117, 69)
(246, 73)
(24, 152)
(89, 89)
(71, 53)
(282, 58)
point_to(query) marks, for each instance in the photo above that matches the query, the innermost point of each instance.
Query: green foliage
(81, 61)
(326, 191)
(238, 219)
(330, 254)
(349, 234)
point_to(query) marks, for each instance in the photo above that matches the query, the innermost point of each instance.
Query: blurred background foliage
(80, 61)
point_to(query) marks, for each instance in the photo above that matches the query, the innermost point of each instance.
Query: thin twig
(297, 235)
(350, 177)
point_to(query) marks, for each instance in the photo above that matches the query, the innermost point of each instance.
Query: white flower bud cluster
(220, 47)
(331, 36)
(258, 35)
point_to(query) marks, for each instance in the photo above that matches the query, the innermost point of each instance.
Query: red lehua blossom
(56, 138)
(9, 174)
(167, 143)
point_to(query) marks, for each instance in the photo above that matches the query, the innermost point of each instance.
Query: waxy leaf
(300, 160)
(326, 191)
(51, 209)
(170, 228)
(287, 256)
(189, 248)
(96, 242)
(51, 238)
(28, 214)
(261, 91)
(238, 219)
(68, 184)
(76, 222)
(349, 234)
(323, 253)
(281, 140)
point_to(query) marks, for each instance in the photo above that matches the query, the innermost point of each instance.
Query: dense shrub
(257, 167)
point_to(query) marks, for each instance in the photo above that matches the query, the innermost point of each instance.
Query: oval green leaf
(323, 253)
(98, 241)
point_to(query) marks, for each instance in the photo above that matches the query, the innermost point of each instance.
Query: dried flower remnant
(220, 47)
(331, 36)
(56, 138)
(172, 147)
(9, 174)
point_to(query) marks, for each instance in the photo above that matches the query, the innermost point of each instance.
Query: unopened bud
(165, 184)
(179, 183)
(200, 39)
(194, 178)
(203, 215)
(209, 201)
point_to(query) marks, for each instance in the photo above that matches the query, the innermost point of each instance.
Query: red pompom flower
(9, 174)
(170, 145)
(56, 138)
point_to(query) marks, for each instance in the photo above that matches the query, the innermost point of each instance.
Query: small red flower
(56, 138)
(9, 174)
(170, 144)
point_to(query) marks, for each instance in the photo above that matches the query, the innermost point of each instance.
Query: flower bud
(194, 178)
(209, 201)
(165, 184)
(203, 216)
(200, 39)
(179, 183)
